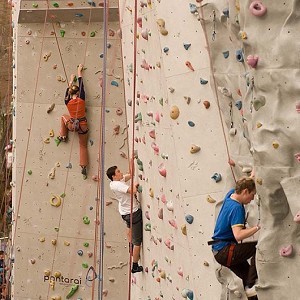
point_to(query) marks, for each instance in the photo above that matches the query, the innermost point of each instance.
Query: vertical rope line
(215, 88)
(133, 136)
(102, 152)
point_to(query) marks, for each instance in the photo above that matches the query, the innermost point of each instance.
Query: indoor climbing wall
(216, 95)
(56, 233)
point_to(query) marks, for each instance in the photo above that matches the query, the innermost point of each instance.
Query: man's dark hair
(111, 172)
(1, 252)
(245, 183)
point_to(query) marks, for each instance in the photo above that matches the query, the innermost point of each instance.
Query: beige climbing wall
(251, 120)
(46, 237)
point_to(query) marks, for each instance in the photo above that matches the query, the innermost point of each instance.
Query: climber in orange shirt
(76, 120)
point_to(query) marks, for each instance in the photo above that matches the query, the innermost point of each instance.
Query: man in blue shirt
(230, 229)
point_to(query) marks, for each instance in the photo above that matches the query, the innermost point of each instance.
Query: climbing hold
(231, 162)
(66, 243)
(226, 54)
(57, 274)
(216, 177)
(172, 90)
(139, 189)
(51, 133)
(69, 166)
(166, 50)
(232, 131)
(239, 55)
(162, 170)
(189, 65)
(275, 145)
(72, 291)
(147, 227)
(161, 24)
(194, 149)
(29, 172)
(35, 5)
(170, 205)
(189, 219)
(145, 34)
(243, 35)
(259, 102)
(257, 8)
(286, 251)
(55, 4)
(47, 272)
(55, 201)
(252, 60)
(226, 12)
(140, 164)
(180, 272)
(183, 229)
(163, 198)
(173, 223)
(92, 3)
(157, 117)
(152, 134)
(187, 99)
(139, 21)
(53, 242)
(188, 294)
(155, 148)
(297, 156)
(32, 261)
(187, 46)
(297, 217)
(147, 215)
(80, 252)
(193, 8)
(50, 108)
(191, 123)
(160, 213)
(206, 104)
(86, 220)
(114, 83)
(224, 91)
(42, 239)
(93, 34)
(174, 113)
(62, 32)
(209, 199)
(239, 104)
(85, 265)
(203, 81)
(86, 244)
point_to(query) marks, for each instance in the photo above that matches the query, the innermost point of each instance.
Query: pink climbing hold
(297, 217)
(180, 272)
(286, 251)
(152, 134)
(147, 215)
(157, 117)
(257, 8)
(145, 65)
(163, 198)
(297, 156)
(252, 60)
(298, 107)
(162, 170)
(173, 223)
(155, 148)
(140, 22)
(231, 162)
(145, 34)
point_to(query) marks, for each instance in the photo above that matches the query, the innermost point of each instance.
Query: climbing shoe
(62, 138)
(84, 171)
(250, 292)
(136, 269)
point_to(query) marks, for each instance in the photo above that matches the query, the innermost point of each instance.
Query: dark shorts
(137, 226)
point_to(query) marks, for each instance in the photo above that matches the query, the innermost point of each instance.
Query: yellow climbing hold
(183, 229)
(66, 243)
(194, 149)
(174, 113)
(53, 242)
(51, 133)
(151, 193)
(47, 272)
(55, 201)
(57, 274)
(47, 140)
(275, 145)
(209, 199)
(42, 239)
(258, 125)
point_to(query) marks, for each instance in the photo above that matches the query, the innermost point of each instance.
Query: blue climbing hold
(80, 252)
(193, 8)
(187, 46)
(78, 15)
(189, 219)
(239, 55)
(217, 177)
(239, 104)
(226, 54)
(203, 81)
(226, 12)
(191, 123)
(166, 49)
(114, 83)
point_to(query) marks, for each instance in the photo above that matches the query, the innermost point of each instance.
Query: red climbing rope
(215, 88)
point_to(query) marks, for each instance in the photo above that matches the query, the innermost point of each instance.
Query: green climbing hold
(72, 291)
(140, 164)
(35, 5)
(86, 220)
(139, 188)
(93, 34)
(63, 195)
(86, 244)
(161, 101)
(55, 4)
(147, 227)
(29, 172)
(85, 265)
(57, 141)
(62, 32)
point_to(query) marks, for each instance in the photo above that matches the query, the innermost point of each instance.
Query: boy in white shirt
(123, 193)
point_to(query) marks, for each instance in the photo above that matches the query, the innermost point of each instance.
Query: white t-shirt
(120, 188)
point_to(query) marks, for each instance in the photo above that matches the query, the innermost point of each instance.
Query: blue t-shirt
(232, 214)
